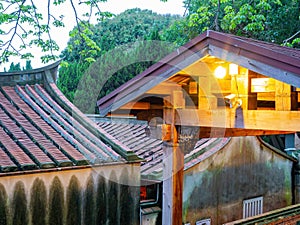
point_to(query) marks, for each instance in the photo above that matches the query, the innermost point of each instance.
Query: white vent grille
(252, 207)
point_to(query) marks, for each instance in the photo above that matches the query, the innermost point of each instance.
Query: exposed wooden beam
(214, 132)
(164, 88)
(136, 105)
(235, 118)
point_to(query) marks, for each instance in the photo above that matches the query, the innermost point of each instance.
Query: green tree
(17, 67)
(29, 23)
(28, 65)
(14, 67)
(119, 33)
(69, 77)
(115, 68)
(268, 20)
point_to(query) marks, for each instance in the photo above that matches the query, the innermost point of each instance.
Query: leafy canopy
(30, 23)
(129, 43)
(268, 20)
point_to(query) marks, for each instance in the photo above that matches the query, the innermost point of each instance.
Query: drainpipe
(296, 178)
(289, 145)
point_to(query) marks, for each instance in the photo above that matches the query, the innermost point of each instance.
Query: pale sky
(61, 35)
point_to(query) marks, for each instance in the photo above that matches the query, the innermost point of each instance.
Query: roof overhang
(275, 61)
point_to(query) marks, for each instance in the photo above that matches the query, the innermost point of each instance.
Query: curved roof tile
(37, 131)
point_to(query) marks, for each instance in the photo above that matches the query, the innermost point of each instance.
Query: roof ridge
(72, 132)
(86, 122)
(81, 129)
(81, 150)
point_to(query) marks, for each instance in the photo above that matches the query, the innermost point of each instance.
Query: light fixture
(233, 69)
(220, 72)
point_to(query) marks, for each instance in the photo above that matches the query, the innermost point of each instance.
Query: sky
(61, 35)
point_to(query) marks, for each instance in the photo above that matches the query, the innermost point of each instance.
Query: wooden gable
(260, 86)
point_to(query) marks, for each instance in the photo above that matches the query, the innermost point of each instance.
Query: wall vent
(252, 207)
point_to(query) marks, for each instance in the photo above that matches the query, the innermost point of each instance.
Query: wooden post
(174, 164)
(178, 165)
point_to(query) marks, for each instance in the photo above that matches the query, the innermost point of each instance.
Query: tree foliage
(30, 23)
(126, 34)
(17, 67)
(268, 20)
(114, 68)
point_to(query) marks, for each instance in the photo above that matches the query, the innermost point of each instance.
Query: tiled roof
(291, 52)
(37, 132)
(136, 137)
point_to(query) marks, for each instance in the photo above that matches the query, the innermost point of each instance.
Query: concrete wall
(243, 169)
(98, 195)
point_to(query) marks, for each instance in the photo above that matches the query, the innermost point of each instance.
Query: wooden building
(56, 167)
(217, 85)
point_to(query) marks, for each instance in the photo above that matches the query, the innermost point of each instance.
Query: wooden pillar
(174, 164)
(178, 165)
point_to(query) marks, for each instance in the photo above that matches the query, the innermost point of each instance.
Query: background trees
(276, 21)
(31, 23)
(268, 20)
(125, 42)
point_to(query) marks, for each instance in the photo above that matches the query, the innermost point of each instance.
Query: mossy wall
(71, 197)
(243, 169)
(3, 205)
(56, 203)
(38, 202)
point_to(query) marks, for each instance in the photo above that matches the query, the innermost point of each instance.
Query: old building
(218, 86)
(56, 167)
(224, 179)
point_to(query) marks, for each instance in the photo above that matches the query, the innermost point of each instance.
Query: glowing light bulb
(220, 72)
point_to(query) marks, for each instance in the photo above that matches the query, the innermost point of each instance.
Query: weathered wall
(100, 195)
(243, 169)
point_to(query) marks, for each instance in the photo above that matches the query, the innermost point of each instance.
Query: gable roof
(279, 62)
(41, 129)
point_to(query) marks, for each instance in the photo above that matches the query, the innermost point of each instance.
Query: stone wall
(243, 169)
(98, 195)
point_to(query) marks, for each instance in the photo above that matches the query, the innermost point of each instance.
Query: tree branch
(292, 37)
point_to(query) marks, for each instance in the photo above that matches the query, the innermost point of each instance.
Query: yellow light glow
(233, 69)
(220, 72)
